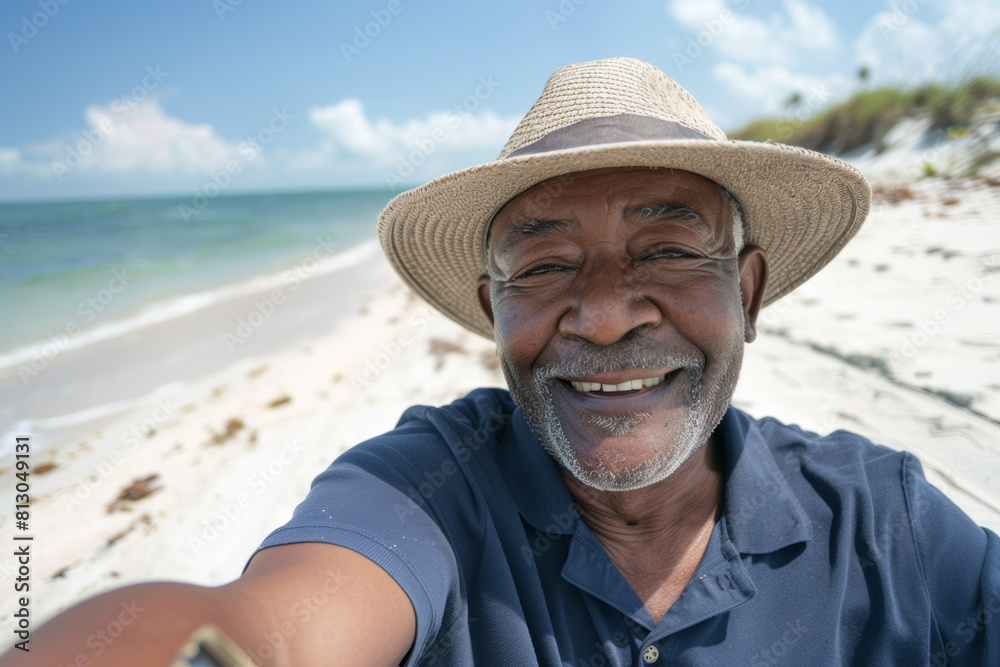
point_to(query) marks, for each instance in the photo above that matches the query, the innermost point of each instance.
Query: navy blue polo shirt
(830, 550)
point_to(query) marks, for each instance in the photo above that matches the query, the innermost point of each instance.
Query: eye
(541, 270)
(669, 253)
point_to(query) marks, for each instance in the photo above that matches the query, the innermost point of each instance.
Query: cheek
(506, 328)
(521, 327)
(707, 314)
(515, 345)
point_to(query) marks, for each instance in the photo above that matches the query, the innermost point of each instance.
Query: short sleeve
(961, 566)
(354, 508)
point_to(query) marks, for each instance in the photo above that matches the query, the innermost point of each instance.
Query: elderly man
(613, 508)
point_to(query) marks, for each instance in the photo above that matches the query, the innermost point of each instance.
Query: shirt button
(651, 654)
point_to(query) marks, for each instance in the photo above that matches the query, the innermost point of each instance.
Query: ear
(484, 297)
(752, 265)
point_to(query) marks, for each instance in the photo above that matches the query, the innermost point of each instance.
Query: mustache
(626, 355)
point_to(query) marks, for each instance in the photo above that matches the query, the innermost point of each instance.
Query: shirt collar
(534, 480)
(762, 512)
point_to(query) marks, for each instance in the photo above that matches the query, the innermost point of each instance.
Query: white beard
(706, 407)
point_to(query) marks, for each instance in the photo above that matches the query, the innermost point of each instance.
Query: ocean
(74, 272)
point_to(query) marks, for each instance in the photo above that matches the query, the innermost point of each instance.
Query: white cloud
(131, 143)
(9, 159)
(811, 28)
(411, 151)
(145, 138)
(766, 88)
(906, 43)
(350, 129)
(12, 161)
(694, 15)
(913, 42)
(781, 38)
(123, 138)
(352, 132)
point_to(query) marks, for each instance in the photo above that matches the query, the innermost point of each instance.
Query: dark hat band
(617, 129)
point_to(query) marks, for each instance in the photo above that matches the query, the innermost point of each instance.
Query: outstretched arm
(297, 604)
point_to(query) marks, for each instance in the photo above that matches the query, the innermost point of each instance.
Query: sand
(189, 465)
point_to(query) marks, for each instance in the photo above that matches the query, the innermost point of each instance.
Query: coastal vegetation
(869, 114)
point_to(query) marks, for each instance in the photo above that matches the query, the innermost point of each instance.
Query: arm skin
(364, 618)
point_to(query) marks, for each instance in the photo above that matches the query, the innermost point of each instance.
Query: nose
(608, 304)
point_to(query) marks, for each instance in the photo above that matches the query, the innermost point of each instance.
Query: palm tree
(863, 74)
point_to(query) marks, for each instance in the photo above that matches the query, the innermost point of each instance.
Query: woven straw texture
(800, 206)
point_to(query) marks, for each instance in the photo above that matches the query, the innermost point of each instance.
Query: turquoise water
(80, 265)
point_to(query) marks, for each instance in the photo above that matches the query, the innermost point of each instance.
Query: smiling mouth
(625, 388)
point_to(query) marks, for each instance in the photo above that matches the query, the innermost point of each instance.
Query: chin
(629, 440)
(648, 454)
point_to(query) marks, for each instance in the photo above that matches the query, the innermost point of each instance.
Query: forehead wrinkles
(632, 218)
(623, 188)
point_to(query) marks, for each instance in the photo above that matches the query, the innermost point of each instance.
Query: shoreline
(186, 304)
(182, 339)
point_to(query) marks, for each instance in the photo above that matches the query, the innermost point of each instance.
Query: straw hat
(800, 206)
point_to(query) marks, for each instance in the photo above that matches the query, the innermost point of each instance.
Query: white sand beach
(170, 454)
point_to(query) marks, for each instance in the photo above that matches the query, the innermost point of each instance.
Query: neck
(692, 494)
(657, 535)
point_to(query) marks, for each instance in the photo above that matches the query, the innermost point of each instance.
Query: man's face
(620, 317)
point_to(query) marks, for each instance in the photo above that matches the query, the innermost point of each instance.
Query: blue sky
(128, 98)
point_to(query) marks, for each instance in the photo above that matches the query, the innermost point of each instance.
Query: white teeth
(628, 385)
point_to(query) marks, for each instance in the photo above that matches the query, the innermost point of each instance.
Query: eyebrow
(533, 228)
(540, 227)
(666, 211)
(520, 232)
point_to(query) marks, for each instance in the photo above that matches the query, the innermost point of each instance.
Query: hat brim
(801, 207)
